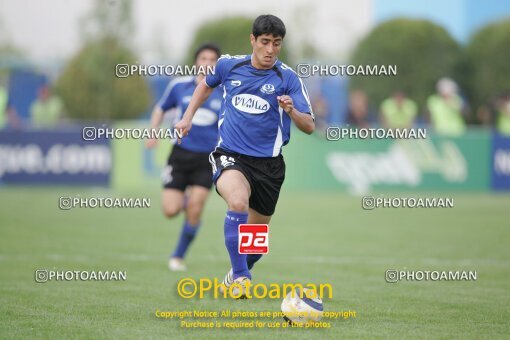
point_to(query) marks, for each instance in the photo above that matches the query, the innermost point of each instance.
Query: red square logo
(253, 239)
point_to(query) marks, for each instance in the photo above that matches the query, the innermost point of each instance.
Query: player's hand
(184, 125)
(151, 143)
(286, 103)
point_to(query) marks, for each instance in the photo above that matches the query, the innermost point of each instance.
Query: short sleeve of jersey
(169, 99)
(220, 70)
(297, 91)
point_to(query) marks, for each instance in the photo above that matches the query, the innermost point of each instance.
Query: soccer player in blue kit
(261, 98)
(188, 172)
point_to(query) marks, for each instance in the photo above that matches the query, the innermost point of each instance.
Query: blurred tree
(488, 56)
(91, 90)
(422, 51)
(109, 18)
(88, 85)
(231, 34)
(10, 55)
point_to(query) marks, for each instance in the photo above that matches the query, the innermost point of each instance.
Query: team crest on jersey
(226, 162)
(267, 88)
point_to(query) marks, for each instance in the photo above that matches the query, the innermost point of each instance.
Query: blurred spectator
(445, 109)
(398, 111)
(8, 115)
(503, 114)
(46, 110)
(484, 116)
(358, 114)
(4, 100)
(320, 110)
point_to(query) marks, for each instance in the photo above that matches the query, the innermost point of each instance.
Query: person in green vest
(4, 100)
(8, 116)
(46, 111)
(398, 111)
(503, 115)
(445, 109)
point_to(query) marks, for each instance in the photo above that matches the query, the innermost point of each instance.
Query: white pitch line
(331, 260)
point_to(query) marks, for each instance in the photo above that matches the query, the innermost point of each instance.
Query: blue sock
(238, 261)
(187, 235)
(251, 259)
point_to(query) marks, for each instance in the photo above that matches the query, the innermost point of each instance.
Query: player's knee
(171, 210)
(238, 204)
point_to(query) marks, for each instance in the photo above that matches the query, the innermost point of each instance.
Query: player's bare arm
(156, 119)
(303, 121)
(202, 92)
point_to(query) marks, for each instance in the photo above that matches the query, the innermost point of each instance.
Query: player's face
(266, 49)
(206, 58)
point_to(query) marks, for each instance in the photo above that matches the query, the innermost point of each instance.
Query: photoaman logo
(253, 239)
(188, 288)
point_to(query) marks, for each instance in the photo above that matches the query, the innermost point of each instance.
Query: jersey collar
(276, 61)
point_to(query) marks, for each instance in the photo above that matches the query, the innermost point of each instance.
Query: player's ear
(252, 39)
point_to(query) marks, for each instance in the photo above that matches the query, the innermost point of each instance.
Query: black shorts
(265, 175)
(185, 168)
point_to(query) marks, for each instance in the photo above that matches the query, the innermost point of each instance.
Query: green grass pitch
(315, 238)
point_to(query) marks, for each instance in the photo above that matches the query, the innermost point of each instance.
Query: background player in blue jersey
(187, 177)
(261, 98)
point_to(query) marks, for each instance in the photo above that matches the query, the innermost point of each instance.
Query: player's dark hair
(268, 24)
(210, 47)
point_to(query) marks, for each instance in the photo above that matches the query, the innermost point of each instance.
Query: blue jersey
(251, 121)
(204, 134)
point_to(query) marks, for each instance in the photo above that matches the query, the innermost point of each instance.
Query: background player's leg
(196, 197)
(235, 190)
(255, 218)
(172, 202)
